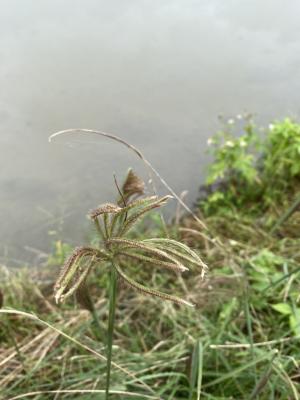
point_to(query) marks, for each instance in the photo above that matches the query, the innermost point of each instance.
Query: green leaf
(215, 197)
(196, 371)
(283, 308)
(295, 322)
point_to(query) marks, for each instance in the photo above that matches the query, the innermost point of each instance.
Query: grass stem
(111, 320)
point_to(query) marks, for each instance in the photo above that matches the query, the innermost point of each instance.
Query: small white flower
(229, 143)
(209, 141)
(243, 143)
(239, 116)
(230, 121)
(271, 127)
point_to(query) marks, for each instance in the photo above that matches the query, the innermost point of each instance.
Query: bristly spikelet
(180, 250)
(158, 256)
(140, 213)
(133, 186)
(148, 291)
(107, 208)
(154, 261)
(73, 274)
(67, 265)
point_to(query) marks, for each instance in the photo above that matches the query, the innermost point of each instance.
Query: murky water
(156, 73)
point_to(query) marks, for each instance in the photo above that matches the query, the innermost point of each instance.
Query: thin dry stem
(139, 154)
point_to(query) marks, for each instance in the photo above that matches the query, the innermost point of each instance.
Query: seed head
(74, 272)
(107, 208)
(133, 186)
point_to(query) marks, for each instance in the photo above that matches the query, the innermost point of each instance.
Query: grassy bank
(241, 341)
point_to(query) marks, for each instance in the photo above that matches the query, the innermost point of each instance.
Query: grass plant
(113, 223)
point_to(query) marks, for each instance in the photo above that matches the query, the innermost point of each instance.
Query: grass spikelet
(107, 208)
(179, 250)
(74, 273)
(135, 217)
(153, 251)
(152, 292)
(152, 260)
(133, 186)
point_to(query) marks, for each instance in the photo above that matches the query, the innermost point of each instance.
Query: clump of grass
(239, 342)
(170, 351)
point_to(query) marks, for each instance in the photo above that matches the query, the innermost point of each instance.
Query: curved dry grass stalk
(83, 391)
(139, 154)
(75, 341)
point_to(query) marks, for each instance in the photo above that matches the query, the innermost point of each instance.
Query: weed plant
(112, 223)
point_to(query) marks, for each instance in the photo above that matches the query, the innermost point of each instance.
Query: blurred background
(156, 73)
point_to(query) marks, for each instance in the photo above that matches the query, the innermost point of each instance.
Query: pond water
(156, 73)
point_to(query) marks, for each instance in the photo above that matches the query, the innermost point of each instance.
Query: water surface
(157, 73)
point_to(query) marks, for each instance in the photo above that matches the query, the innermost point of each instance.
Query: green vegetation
(241, 341)
(253, 171)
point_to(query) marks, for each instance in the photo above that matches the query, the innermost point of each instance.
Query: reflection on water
(156, 73)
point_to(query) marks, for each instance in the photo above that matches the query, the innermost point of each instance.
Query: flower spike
(148, 291)
(73, 273)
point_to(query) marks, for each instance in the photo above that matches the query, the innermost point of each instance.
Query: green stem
(97, 323)
(286, 215)
(98, 330)
(263, 380)
(111, 320)
(10, 334)
(85, 299)
(249, 326)
(99, 229)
